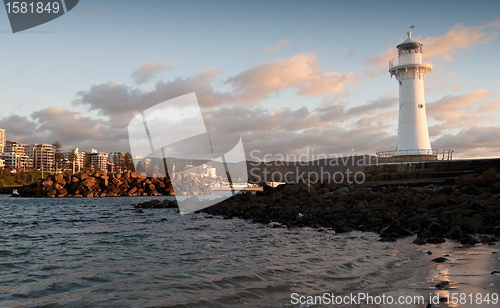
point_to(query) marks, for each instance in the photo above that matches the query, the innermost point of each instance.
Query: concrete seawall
(444, 171)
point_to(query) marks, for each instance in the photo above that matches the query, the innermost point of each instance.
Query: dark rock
(396, 229)
(469, 225)
(443, 285)
(439, 260)
(469, 241)
(436, 228)
(435, 240)
(342, 190)
(490, 176)
(495, 189)
(454, 232)
(388, 239)
(88, 194)
(420, 241)
(344, 229)
(471, 190)
(470, 180)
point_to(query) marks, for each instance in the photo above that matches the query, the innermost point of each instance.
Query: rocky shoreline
(127, 184)
(435, 212)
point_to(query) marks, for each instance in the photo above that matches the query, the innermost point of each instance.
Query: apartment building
(42, 156)
(14, 156)
(100, 160)
(76, 159)
(2, 140)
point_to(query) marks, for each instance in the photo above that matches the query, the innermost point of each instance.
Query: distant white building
(76, 159)
(117, 158)
(16, 160)
(14, 156)
(2, 140)
(204, 170)
(100, 160)
(42, 156)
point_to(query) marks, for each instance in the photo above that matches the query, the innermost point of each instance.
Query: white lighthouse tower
(410, 69)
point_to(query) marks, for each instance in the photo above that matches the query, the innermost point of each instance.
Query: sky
(290, 77)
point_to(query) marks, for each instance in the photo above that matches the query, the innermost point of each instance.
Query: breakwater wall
(103, 185)
(445, 171)
(434, 212)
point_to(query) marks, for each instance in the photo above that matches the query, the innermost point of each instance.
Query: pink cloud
(279, 46)
(459, 37)
(463, 111)
(477, 141)
(146, 72)
(302, 72)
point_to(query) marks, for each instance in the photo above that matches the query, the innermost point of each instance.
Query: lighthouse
(410, 69)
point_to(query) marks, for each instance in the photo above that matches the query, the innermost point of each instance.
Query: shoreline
(466, 276)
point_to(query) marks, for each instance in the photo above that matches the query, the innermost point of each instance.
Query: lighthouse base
(403, 158)
(410, 156)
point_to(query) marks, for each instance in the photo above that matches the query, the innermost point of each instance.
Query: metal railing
(409, 59)
(414, 155)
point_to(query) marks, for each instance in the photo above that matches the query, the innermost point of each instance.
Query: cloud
(17, 127)
(458, 38)
(72, 129)
(332, 129)
(58, 123)
(337, 112)
(120, 102)
(279, 46)
(466, 124)
(463, 111)
(477, 141)
(246, 119)
(149, 70)
(301, 72)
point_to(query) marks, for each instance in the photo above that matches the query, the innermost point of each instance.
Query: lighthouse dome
(410, 45)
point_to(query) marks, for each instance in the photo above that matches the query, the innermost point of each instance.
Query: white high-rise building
(14, 156)
(76, 159)
(2, 140)
(410, 69)
(42, 155)
(116, 158)
(100, 160)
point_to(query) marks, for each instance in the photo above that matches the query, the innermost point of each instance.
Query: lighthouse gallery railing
(418, 155)
(409, 59)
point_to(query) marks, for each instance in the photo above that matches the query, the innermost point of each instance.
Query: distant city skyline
(288, 76)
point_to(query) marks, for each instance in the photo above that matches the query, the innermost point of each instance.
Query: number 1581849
(28, 7)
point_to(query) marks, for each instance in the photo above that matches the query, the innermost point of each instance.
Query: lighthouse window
(420, 106)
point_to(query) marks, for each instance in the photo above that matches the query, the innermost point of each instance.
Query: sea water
(103, 253)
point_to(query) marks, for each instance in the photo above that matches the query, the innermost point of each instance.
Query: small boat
(15, 193)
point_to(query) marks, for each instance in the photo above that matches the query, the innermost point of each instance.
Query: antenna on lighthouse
(409, 28)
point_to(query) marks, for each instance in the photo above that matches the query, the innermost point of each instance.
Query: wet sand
(468, 271)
